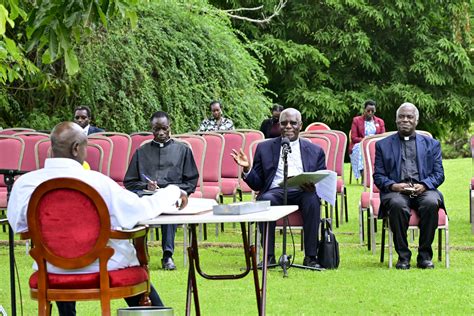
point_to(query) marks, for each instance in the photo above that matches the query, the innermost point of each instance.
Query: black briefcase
(328, 249)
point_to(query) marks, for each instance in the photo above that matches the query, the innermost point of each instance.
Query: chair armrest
(25, 235)
(133, 233)
(138, 234)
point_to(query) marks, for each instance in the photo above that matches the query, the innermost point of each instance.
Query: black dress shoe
(403, 265)
(311, 262)
(271, 262)
(168, 264)
(425, 264)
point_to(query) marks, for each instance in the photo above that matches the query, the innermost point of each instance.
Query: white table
(275, 213)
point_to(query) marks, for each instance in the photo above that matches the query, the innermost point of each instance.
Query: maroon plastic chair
(107, 148)
(137, 140)
(230, 171)
(29, 158)
(251, 136)
(317, 126)
(14, 130)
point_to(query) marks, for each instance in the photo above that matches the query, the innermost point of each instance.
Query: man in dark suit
(408, 171)
(82, 117)
(267, 172)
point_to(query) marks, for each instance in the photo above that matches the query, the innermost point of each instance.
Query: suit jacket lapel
(304, 155)
(276, 145)
(420, 155)
(396, 145)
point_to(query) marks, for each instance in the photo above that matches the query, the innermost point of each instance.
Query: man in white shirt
(267, 172)
(69, 150)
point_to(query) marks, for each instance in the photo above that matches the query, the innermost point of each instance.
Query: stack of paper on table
(241, 208)
(195, 206)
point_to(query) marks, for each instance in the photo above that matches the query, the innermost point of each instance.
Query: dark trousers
(69, 308)
(168, 233)
(398, 207)
(309, 206)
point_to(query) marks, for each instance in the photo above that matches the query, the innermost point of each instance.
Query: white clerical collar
(86, 129)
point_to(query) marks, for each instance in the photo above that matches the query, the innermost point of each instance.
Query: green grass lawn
(362, 285)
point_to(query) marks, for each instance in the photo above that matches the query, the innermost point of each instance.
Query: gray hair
(407, 104)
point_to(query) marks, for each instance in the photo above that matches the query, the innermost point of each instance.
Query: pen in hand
(152, 185)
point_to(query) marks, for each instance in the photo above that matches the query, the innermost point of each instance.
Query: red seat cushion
(118, 278)
(415, 219)
(229, 185)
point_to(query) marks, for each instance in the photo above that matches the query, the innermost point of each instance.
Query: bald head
(68, 141)
(290, 123)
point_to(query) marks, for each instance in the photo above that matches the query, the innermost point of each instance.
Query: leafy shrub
(178, 59)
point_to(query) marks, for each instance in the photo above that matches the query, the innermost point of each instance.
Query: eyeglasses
(292, 123)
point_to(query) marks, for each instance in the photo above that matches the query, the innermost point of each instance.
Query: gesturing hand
(241, 159)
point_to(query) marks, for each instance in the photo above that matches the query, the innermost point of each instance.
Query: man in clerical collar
(158, 164)
(82, 117)
(408, 171)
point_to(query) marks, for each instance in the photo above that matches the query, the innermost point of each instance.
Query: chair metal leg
(446, 246)
(361, 225)
(345, 205)
(440, 240)
(390, 246)
(373, 223)
(382, 247)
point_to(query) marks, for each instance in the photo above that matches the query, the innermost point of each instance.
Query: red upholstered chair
(107, 148)
(15, 148)
(95, 157)
(295, 219)
(42, 151)
(85, 231)
(14, 130)
(413, 225)
(29, 158)
(317, 126)
(374, 193)
(137, 140)
(366, 195)
(250, 136)
(335, 163)
(230, 171)
(211, 175)
(198, 147)
(120, 155)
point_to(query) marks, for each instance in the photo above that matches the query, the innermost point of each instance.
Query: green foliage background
(177, 59)
(327, 57)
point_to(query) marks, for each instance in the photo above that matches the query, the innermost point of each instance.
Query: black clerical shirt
(409, 167)
(168, 163)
